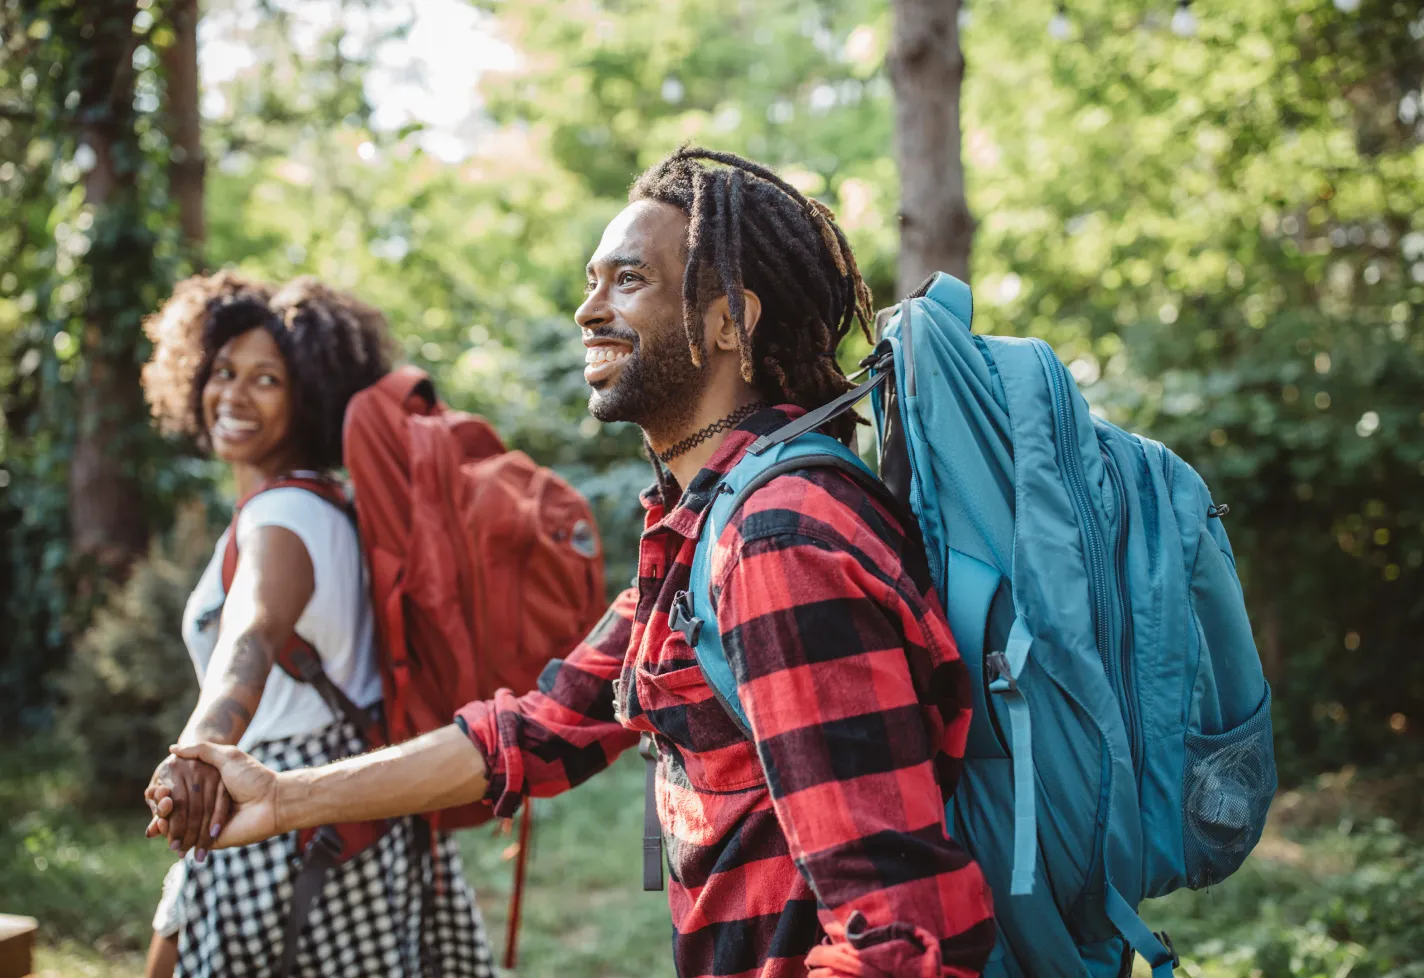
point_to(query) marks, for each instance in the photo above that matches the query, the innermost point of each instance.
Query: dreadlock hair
(749, 229)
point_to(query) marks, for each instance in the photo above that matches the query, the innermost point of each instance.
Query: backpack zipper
(1124, 608)
(1098, 573)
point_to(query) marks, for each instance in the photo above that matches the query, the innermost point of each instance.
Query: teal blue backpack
(1121, 742)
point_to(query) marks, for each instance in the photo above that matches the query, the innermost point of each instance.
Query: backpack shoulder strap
(692, 611)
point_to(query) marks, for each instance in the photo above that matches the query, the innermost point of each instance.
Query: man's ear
(718, 325)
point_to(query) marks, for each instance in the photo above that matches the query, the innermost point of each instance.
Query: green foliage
(89, 877)
(800, 86)
(480, 264)
(76, 278)
(1335, 888)
(129, 686)
(1220, 233)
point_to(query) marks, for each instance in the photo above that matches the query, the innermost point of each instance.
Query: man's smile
(603, 359)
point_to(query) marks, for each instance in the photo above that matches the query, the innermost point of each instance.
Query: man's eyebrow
(618, 261)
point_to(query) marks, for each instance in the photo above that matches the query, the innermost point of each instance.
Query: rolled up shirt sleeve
(557, 736)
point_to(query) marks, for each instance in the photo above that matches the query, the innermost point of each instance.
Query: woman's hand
(440, 769)
(248, 786)
(189, 804)
(268, 594)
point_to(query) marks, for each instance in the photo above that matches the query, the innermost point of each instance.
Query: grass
(1333, 891)
(585, 912)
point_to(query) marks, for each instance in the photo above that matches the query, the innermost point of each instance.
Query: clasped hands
(211, 796)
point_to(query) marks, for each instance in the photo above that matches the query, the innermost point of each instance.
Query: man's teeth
(605, 354)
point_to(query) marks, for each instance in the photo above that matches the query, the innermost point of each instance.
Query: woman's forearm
(236, 676)
(436, 770)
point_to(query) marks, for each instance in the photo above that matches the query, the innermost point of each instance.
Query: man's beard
(657, 388)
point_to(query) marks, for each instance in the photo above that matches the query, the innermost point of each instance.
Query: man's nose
(593, 311)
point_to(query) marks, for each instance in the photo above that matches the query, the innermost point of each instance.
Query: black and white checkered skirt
(402, 908)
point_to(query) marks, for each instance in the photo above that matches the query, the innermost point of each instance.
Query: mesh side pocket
(1230, 780)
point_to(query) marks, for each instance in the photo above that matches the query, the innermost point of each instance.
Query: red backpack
(483, 567)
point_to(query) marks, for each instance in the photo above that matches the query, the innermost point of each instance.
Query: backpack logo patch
(583, 540)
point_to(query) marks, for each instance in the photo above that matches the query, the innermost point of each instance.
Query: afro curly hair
(334, 345)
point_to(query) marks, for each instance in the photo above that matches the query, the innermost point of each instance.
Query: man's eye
(625, 277)
(588, 287)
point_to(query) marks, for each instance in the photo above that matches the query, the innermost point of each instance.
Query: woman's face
(247, 403)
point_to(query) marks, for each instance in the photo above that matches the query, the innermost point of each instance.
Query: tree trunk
(927, 71)
(185, 173)
(1272, 664)
(106, 511)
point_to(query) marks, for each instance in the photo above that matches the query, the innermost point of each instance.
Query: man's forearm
(436, 770)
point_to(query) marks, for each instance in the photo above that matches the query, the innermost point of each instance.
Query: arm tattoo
(222, 721)
(241, 684)
(252, 660)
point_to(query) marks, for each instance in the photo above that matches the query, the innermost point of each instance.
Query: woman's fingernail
(200, 854)
(215, 831)
(176, 846)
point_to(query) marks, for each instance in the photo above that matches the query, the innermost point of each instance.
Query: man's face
(638, 363)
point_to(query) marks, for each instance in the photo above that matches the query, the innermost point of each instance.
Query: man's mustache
(610, 333)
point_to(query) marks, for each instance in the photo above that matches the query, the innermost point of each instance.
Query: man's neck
(684, 468)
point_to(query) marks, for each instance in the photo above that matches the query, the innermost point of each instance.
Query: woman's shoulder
(304, 513)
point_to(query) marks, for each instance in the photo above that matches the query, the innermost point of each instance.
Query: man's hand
(265, 598)
(251, 815)
(188, 802)
(436, 770)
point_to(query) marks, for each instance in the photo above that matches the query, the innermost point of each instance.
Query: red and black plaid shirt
(859, 708)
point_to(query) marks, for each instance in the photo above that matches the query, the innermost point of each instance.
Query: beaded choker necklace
(725, 424)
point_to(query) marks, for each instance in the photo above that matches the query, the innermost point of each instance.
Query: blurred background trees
(1213, 211)
(1218, 231)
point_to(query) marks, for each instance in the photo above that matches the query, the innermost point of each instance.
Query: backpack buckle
(326, 842)
(1166, 940)
(1001, 677)
(680, 618)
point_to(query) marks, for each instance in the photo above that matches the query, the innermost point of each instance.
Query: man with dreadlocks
(810, 840)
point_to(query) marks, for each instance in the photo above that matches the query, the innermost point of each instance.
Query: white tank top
(336, 621)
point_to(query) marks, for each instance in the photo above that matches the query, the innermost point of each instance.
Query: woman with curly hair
(260, 378)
